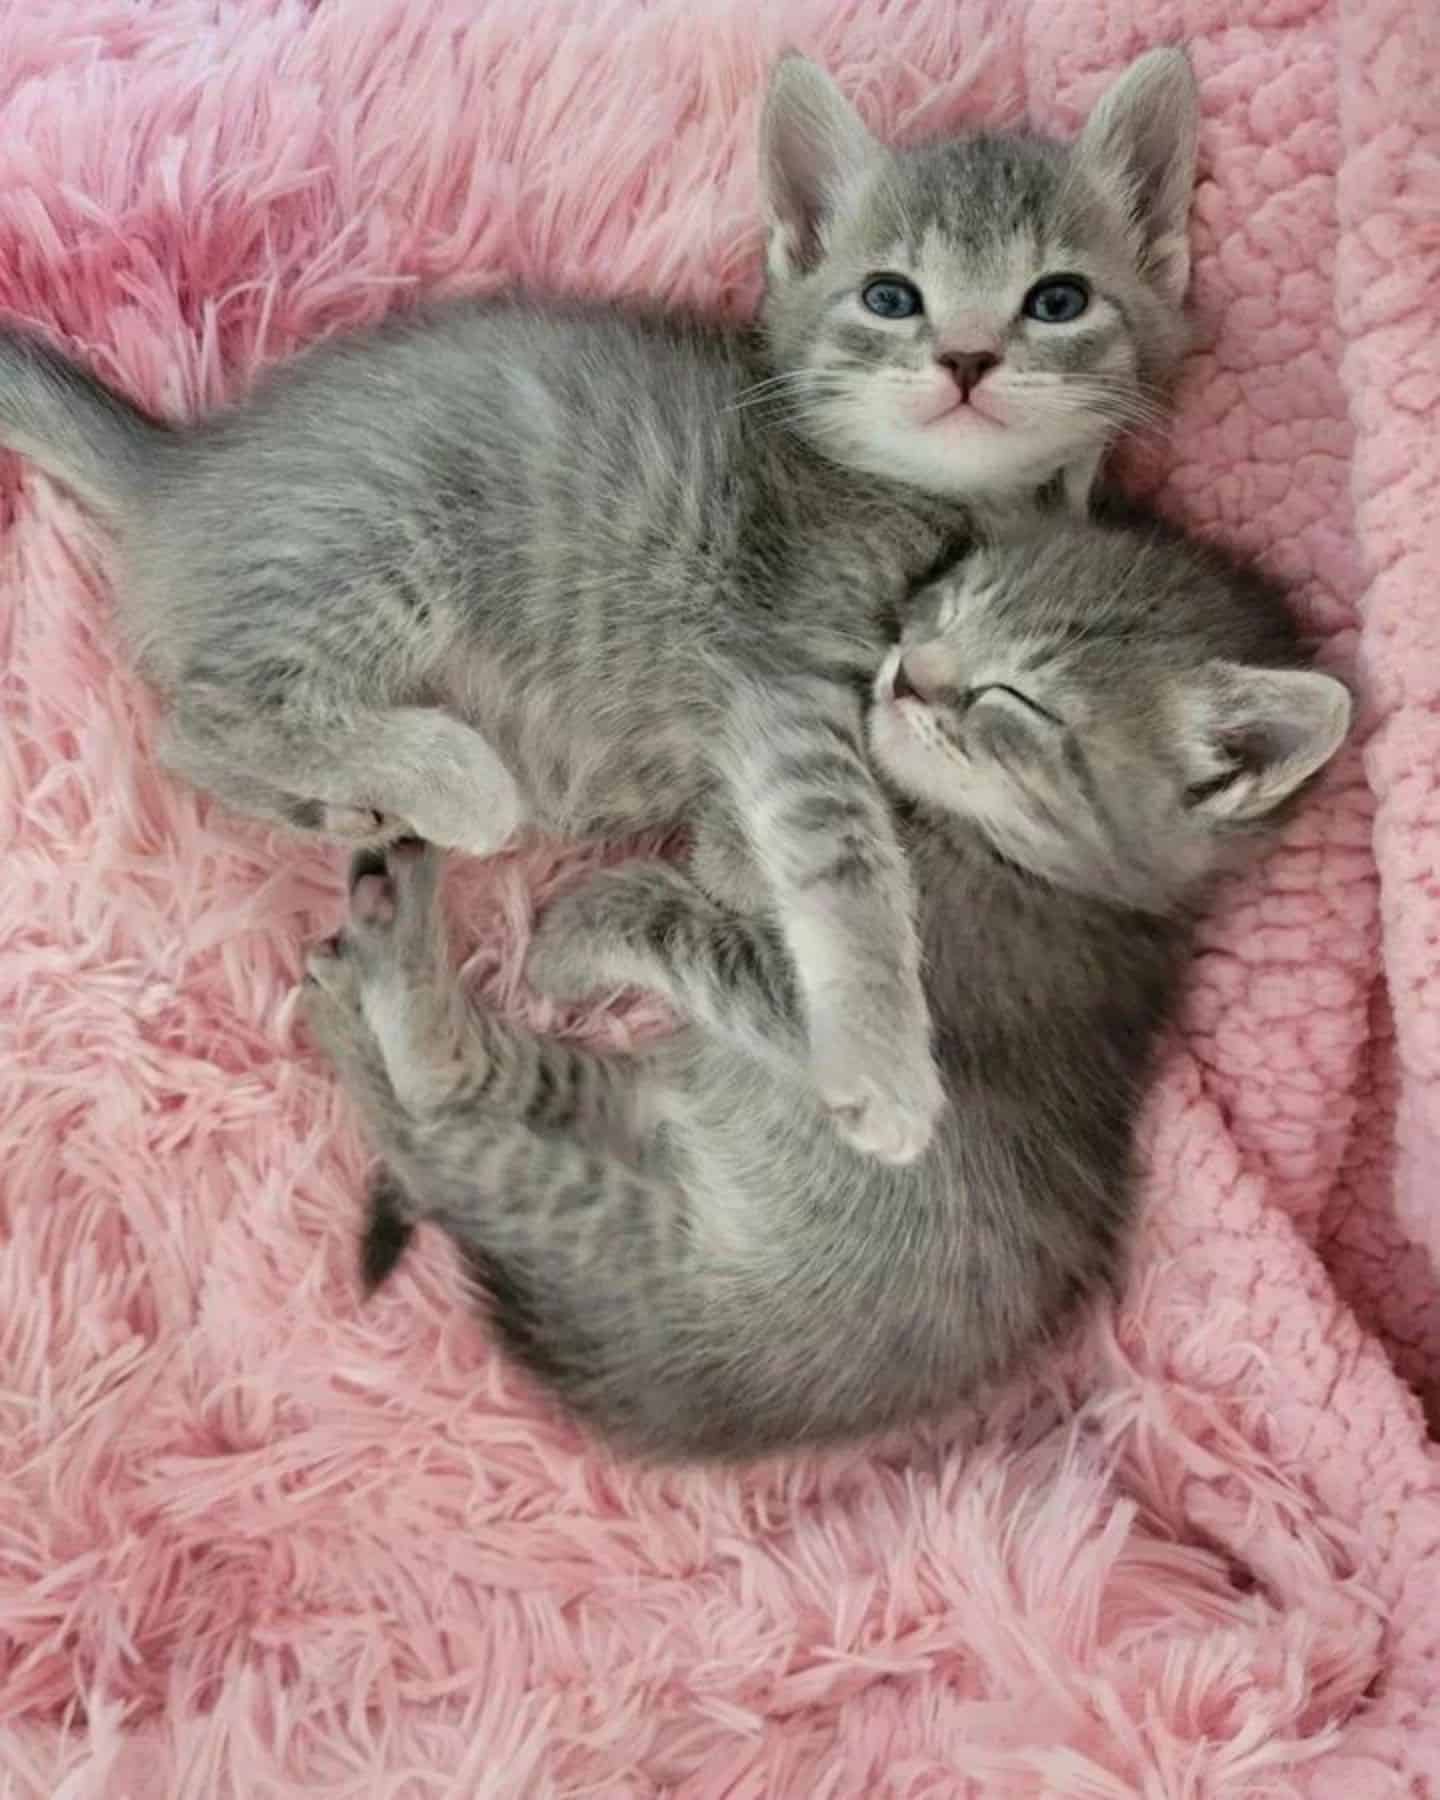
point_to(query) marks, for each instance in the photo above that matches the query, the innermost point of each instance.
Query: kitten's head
(971, 317)
(1115, 710)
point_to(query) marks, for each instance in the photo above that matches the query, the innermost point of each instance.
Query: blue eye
(1057, 300)
(892, 297)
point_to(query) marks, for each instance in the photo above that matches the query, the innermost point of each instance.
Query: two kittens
(605, 568)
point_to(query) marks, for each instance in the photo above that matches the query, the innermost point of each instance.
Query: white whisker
(776, 387)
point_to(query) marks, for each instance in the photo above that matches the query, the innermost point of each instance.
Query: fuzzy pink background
(256, 1540)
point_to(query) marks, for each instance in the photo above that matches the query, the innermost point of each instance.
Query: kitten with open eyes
(508, 559)
(1078, 732)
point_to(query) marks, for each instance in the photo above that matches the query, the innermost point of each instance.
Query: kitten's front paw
(493, 812)
(884, 1103)
(352, 824)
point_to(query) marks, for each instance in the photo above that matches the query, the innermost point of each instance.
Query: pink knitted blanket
(257, 1540)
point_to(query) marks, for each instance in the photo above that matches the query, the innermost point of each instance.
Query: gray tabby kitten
(1078, 731)
(594, 536)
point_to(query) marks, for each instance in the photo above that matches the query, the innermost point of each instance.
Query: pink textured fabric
(258, 1540)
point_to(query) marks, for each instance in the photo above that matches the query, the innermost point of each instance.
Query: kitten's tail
(78, 429)
(389, 1227)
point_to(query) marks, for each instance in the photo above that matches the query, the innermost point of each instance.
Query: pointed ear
(1258, 734)
(813, 144)
(1139, 145)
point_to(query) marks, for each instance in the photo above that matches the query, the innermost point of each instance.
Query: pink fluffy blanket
(257, 1539)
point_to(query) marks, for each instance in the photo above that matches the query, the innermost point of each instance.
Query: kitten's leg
(574, 1246)
(331, 1005)
(448, 1160)
(436, 774)
(574, 1249)
(723, 865)
(647, 925)
(824, 836)
(390, 967)
(407, 771)
(239, 788)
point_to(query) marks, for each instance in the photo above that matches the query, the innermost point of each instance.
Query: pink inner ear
(815, 144)
(1245, 748)
(796, 201)
(1168, 265)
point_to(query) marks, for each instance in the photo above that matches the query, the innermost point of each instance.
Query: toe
(372, 901)
(320, 959)
(365, 862)
(342, 821)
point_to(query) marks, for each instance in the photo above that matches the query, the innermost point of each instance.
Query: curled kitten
(1079, 731)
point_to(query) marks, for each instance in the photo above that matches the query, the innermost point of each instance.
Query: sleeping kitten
(588, 533)
(1079, 731)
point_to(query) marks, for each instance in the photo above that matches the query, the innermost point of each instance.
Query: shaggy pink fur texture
(259, 1540)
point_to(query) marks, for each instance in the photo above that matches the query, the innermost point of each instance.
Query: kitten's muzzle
(967, 368)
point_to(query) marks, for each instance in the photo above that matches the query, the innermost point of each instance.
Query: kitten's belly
(586, 773)
(612, 807)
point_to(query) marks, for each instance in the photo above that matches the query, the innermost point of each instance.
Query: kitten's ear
(1258, 734)
(813, 144)
(1139, 144)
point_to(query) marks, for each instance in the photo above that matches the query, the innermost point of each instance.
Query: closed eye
(971, 695)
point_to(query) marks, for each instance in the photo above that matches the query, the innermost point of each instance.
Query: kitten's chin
(959, 455)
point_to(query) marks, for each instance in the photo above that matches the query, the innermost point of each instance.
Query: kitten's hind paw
(390, 923)
(884, 1105)
(372, 892)
(392, 895)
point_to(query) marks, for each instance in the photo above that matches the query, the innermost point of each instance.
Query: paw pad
(372, 900)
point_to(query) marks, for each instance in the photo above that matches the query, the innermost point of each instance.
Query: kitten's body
(574, 537)
(819, 1297)
(681, 1246)
(512, 559)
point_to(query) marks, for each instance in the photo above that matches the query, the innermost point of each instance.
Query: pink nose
(968, 368)
(917, 677)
